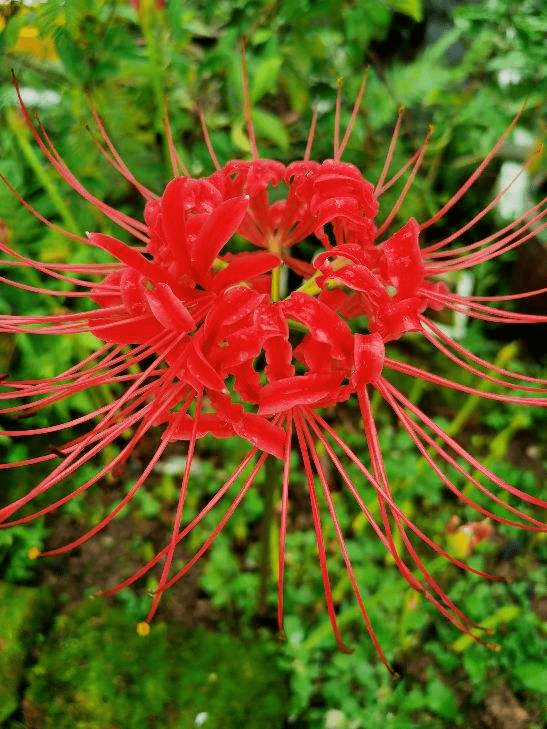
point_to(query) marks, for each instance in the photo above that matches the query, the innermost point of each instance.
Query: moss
(24, 611)
(96, 672)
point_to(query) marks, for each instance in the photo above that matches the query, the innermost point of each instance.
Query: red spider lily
(200, 337)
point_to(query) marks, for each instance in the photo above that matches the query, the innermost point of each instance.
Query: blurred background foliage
(466, 70)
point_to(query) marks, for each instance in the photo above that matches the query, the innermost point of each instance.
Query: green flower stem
(275, 248)
(20, 132)
(505, 356)
(499, 445)
(266, 555)
(276, 284)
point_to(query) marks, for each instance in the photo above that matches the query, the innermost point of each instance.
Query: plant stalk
(266, 558)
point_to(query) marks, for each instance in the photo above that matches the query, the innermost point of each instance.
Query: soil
(106, 559)
(502, 710)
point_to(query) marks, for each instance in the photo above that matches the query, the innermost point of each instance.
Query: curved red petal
(217, 230)
(168, 309)
(298, 390)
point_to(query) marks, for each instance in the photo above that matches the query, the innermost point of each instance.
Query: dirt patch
(503, 711)
(110, 557)
(539, 606)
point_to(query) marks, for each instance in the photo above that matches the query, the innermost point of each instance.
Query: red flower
(202, 335)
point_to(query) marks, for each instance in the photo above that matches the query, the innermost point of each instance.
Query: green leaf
(10, 32)
(475, 664)
(266, 126)
(269, 127)
(71, 56)
(298, 91)
(264, 77)
(504, 615)
(533, 676)
(441, 699)
(412, 8)
(239, 137)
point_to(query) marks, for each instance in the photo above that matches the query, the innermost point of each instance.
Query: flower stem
(506, 355)
(265, 556)
(276, 284)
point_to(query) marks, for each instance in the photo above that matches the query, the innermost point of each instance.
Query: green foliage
(508, 35)
(14, 546)
(20, 626)
(532, 676)
(95, 671)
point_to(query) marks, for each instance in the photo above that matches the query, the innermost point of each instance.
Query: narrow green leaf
(264, 77)
(71, 56)
(504, 615)
(269, 127)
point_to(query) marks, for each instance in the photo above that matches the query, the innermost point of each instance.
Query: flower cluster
(216, 311)
(248, 302)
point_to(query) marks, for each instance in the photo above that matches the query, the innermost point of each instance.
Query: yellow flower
(29, 41)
